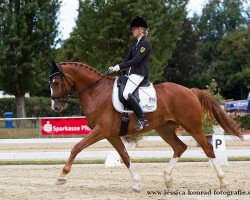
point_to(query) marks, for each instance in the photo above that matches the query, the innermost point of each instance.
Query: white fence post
(220, 145)
(113, 159)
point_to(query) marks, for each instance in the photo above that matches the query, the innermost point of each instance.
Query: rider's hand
(116, 68)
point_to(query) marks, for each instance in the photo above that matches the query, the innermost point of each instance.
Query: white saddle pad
(147, 95)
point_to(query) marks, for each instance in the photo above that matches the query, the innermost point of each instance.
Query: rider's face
(137, 31)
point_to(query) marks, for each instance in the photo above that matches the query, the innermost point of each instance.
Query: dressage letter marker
(220, 146)
(218, 142)
(113, 159)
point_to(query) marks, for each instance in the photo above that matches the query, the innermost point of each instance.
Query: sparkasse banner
(64, 126)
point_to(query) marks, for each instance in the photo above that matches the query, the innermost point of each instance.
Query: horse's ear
(56, 66)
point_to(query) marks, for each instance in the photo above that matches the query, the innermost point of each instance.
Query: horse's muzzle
(58, 106)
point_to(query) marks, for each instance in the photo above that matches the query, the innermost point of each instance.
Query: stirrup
(141, 124)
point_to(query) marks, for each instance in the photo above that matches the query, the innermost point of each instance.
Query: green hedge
(40, 107)
(244, 121)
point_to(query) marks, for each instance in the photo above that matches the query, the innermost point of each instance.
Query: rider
(136, 64)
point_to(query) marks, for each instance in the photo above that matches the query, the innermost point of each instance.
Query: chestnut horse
(177, 105)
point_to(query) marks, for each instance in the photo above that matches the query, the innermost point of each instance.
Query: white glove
(116, 68)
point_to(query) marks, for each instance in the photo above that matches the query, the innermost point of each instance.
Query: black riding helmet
(138, 22)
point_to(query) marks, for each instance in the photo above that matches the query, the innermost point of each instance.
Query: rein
(89, 86)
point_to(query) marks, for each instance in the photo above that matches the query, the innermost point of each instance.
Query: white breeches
(133, 81)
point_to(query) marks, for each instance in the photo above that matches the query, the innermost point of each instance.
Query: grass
(18, 133)
(151, 133)
(32, 130)
(102, 161)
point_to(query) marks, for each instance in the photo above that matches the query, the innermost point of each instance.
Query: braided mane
(86, 67)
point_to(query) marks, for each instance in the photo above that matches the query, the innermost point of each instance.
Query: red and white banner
(64, 126)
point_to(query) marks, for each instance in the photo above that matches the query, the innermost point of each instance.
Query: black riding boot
(142, 121)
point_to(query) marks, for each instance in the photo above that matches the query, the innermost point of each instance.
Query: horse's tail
(211, 106)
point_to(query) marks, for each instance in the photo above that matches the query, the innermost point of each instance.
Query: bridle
(66, 95)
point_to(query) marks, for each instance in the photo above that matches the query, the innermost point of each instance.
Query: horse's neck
(83, 77)
(94, 93)
(95, 101)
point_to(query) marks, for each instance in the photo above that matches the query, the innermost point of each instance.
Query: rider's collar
(138, 39)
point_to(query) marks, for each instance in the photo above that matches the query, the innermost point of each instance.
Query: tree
(69, 50)
(27, 34)
(232, 66)
(166, 19)
(181, 66)
(102, 36)
(218, 19)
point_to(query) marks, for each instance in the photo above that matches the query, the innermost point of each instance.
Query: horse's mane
(86, 66)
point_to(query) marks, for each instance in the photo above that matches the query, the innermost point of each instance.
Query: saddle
(145, 95)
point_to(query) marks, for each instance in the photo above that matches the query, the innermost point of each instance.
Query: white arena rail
(75, 140)
(103, 154)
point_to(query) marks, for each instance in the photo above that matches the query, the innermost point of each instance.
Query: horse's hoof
(169, 184)
(168, 181)
(61, 181)
(135, 188)
(224, 186)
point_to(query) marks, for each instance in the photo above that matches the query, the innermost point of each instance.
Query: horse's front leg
(120, 148)
(92, 138)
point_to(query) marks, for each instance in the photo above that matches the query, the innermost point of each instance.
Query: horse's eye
(55, 84)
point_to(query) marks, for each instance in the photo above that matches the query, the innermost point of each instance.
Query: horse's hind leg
(208, 149)
(167, 133)
(220, 173)
(120, 148)
(199, 136)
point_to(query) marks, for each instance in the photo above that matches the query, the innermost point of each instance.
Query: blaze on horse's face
(60, 87)
(59, 98)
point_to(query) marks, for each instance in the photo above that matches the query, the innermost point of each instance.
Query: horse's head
(60, 86)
